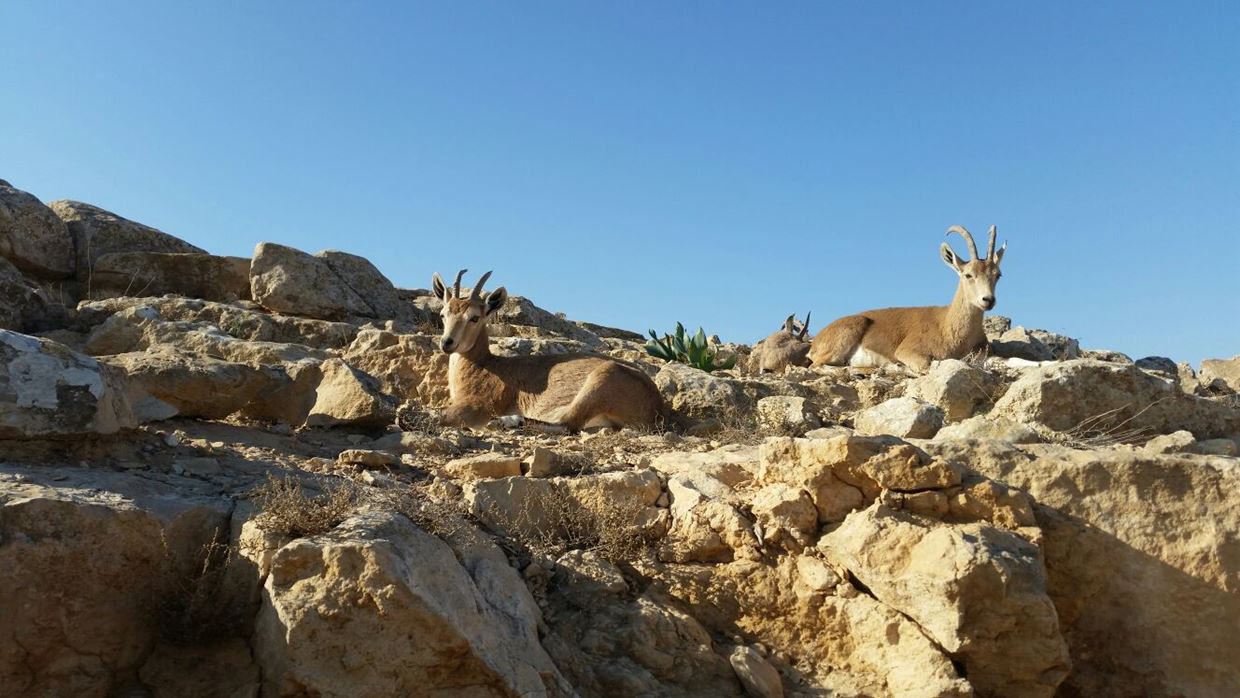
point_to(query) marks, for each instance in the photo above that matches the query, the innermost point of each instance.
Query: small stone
(1177, 442)
(484, 467)
(544, 463)
(367, 458)
(1218, 447)
(760, 679)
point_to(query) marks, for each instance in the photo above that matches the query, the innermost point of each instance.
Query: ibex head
(797, 330)
(977, 276)
(465, 318)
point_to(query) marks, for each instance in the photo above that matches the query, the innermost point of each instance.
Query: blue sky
(635, 164)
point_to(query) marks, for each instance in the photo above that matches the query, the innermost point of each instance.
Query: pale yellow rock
(483, 466)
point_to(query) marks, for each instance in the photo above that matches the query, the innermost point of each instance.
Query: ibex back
(574, 391)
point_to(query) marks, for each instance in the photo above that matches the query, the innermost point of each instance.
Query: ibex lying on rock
(785, 348)
(572, 391)
(917, 336)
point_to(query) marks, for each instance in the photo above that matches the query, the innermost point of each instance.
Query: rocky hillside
(222, 477)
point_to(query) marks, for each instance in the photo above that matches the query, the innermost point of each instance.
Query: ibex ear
(790, 324)
(999, 252)
(440, 291)
(496, 298)
(950, 258)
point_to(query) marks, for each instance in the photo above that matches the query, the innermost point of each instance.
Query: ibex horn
(968, 238)
(805, 327)
(476, 293)
(990, 249)
(457, 286)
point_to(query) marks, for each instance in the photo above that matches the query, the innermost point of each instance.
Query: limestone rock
(698, 394)
(165, 384)
(1061, 397)
(787, 516)
(404, 364)
(290, 281)
(379, 607)
(32, 237)
(954, 387)
(760, 679)
(906, 417)
(987, 427)
(197, 275)
(1176, 442)
(348, 396)
(978, 591)
(46, 389)
(224, 668)
(1035, 345)
(22, 307)
(97, 232)
(521, 311)
(1222, 375)
(370, 285)
(783, 414)
(483, 466)
(290, 397)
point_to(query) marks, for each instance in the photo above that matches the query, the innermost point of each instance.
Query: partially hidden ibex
(570, 391)
(785, 348)
(917, 336)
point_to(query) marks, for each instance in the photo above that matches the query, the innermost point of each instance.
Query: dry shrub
(738, 426)
(553, 522)
(440, 516)
(287, 509)
(414, 417)
(194, 600)
(1108, 428)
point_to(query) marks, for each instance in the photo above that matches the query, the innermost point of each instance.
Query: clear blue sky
(636, 164)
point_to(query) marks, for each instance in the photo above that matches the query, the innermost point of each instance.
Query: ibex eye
(473, 319)
(968, 276)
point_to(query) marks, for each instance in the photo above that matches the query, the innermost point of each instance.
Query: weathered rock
(483, 466)
(760, 679)
(290, 281)
(370, 285)
(290, 398)
(223, 668)
(698, 394)
(166, 384)
(346, 396)
(197, 275)
(987, 427)
(1221, 375)
(1035, 345)
(32, 237)
(1087, 396)
(1218, 447)
(996, 325)
(732, 465)
(88, 558)
(97, 232)
(521, 311)
(955, 387)
(367, 458)
(22, 307)
(1177, 442)
(378, 608)
(1158, 364)
(407, 365)
(1141, 559)
(906, 417)
(783, 414)
(977, 591)
(704, 528)
(46, 389)
(787, 516)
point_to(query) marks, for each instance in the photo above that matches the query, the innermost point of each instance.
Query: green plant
(688, 349)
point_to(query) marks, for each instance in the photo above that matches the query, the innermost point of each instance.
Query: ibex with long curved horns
(917, 336)
(786, 347)
(573, 391)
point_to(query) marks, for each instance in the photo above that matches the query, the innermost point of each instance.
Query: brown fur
(916, 336)
(787, 347)
(572, 390)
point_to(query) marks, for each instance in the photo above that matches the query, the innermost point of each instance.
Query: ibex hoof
(510, 421)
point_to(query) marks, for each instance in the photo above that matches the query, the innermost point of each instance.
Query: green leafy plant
(687, 349)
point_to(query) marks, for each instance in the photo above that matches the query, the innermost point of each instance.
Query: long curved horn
(990, 249)
(457, 286)
(805, 327)
(968, 238)
(476, 292)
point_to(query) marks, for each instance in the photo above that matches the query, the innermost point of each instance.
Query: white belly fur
(864, 358)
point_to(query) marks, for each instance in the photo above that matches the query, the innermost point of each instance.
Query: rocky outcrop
(906, 417)
(379, 607)
(97, 233)
(22, 307)
(48, 390)
(330, 285)
(347, 396)
(1221, 375)
(32, 237)
(195, 275)
(169, 384)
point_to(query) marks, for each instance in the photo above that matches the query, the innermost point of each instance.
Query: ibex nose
(446, 343)
(988, 301)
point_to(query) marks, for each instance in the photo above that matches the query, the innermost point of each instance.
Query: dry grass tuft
(442, 517)
(413, 416)
(1109, 428)
(287, 509)
(553, 523)
(739, 426)
(195, 602)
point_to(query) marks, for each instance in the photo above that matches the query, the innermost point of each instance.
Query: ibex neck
(963, 316)
(480, 352)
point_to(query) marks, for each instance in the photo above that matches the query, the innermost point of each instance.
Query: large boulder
(94, 566)
(47, 389)
(97, 232)
(1142, 562)
(1035, 345)
(978, 591)
(287, 280)
(347, 396)
(32, 237)
(370, 284)
(165, 384)
(191, 274)
(955, 387)
(1089, 399)
(406, 365)
(698, 394)
(378, 607)
(22, 307)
